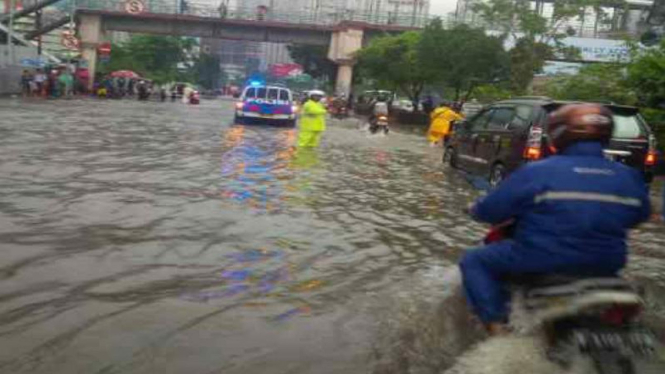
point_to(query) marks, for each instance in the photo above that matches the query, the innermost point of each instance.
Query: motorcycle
(338, 108)
(194, 98)
(380, 123)
(598, 318)
(340, 112)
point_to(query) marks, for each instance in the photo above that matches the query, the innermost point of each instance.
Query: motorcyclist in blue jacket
(571, 211)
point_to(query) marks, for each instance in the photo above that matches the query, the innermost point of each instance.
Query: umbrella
(124, 74)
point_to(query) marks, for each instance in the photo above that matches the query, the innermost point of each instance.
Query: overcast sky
(441, 7)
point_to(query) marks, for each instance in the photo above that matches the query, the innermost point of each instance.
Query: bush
(656, 119)
(490, 93)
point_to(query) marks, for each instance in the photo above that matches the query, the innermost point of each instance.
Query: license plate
(638, 341)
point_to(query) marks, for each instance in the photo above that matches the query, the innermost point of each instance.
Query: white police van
(272, 104)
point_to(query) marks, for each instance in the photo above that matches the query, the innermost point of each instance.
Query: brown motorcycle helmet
(579, 122)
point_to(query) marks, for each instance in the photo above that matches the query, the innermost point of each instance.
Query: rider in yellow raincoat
(440, 125)
(312, 121)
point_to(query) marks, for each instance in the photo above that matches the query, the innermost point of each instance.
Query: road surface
(161, 238)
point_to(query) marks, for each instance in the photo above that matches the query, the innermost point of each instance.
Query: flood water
(162, 238)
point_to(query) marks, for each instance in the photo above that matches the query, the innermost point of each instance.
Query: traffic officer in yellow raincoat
(441, 119)
(312, 120)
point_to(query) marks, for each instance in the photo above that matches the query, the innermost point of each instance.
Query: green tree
(314, 60)
(154, 57)
(208, 71)
(535, 37)
(596, 82)
(394, 62)
(646, 74)
(463, 57)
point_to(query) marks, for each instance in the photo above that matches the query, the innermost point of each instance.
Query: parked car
(507, 134)
(403, 105)
(273, 104)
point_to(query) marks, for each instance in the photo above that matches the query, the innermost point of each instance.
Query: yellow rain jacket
(313, 117)
(440, 126)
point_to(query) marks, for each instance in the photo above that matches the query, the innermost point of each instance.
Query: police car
(272, 104)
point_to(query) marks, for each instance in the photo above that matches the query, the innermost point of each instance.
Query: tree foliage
(458, 59)
(646, 73)
(394, 61)
(154, 57)
(463, 57)
(535, 37)
(208, 72)
(314, 60)
(596, 82)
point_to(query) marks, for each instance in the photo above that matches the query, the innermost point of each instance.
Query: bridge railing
(200, 9)
(323, 17)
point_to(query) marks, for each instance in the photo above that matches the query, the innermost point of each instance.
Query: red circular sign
(104, 48)
(134, 6)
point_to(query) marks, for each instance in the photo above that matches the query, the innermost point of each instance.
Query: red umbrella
(124, 74)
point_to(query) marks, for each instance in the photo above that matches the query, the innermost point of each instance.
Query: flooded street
(162, 238)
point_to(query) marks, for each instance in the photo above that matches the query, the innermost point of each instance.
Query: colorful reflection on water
(255, 175)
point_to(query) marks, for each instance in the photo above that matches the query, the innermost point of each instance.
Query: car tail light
(239, 106)
(534, 144)
(294, 109)
(651, 158)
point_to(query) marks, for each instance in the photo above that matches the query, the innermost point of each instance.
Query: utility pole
(71, 32)
(413, 13)
(38, 24)
(10, 33)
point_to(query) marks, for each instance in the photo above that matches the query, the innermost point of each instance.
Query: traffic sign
(104, 49)
(134, 6)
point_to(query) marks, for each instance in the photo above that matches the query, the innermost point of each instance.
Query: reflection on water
(254, 174)
(174, 242)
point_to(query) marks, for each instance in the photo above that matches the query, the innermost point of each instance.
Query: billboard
(285, 70)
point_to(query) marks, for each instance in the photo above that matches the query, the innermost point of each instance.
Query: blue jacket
(577, 203)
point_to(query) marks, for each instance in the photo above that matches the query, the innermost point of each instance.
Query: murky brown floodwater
(160, 238)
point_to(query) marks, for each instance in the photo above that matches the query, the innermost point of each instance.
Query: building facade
(609, 21)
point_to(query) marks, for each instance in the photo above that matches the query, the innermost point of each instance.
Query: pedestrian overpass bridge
(344, 33)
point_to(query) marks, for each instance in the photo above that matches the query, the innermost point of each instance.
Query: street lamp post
(10, 33)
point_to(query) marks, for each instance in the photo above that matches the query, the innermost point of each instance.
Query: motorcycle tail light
(620, 314)
(383, 118)
(532, 153)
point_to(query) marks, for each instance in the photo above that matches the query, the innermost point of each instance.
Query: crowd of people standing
(50, 83)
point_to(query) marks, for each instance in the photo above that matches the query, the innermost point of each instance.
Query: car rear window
(284, 95)
(628, 126)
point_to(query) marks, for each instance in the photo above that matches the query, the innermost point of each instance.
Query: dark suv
(506, 134)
